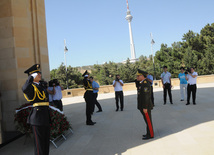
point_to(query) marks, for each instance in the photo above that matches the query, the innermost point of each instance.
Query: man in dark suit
(39, 117)
(145, 102)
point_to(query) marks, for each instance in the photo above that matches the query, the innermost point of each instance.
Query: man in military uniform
(145, 102)
(88, 98)
(39, 117)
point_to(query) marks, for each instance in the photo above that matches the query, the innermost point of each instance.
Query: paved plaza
(179, 129)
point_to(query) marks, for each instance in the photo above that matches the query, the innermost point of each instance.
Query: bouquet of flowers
(58, 126)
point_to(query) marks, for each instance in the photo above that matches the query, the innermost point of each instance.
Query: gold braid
(36, 92)
(89, 85)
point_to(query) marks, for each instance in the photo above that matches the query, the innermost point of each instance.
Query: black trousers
(58, 104)
(89, 105)
(148, 120)
(191, 88)
(41, 139)
(119, 95)
(96, 102)
(167, 88)
(152, 95)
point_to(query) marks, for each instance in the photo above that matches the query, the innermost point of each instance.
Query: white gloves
(34, 75)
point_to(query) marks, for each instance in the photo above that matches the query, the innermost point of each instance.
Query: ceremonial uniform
(150, 77)
(145, 102)
(39, 117)
(88, 99)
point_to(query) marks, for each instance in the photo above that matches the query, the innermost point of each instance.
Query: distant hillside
(83, 68)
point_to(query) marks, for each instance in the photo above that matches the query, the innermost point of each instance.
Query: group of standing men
(188, 79)
(39, 96)
(145, 98)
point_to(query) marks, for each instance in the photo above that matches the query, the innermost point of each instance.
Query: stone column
(23, 42)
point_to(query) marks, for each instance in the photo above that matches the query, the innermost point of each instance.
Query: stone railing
(131, 86)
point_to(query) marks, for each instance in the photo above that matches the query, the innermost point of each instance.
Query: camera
(51, 83)
(56, 82)
(187, 71)
(44, 84)
(116, 78)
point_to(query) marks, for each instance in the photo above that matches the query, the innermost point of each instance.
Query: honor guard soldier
(145, 102)
(88, 98)
(39, 117)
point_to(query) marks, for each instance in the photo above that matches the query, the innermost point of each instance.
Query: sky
(96, 31)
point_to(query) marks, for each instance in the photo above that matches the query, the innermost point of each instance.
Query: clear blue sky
(96, 31)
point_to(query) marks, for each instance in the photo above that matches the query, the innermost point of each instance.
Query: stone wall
(23, 42)
(131, 86)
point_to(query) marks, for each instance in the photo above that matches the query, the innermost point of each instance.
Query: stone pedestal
(23, 42)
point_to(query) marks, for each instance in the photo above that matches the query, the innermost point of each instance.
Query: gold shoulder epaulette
(144, 82)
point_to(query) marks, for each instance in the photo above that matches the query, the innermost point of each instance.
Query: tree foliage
(74, 77)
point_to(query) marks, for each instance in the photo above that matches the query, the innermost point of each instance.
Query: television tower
(129, 19)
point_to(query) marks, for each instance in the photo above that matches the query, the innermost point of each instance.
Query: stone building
(23, 42)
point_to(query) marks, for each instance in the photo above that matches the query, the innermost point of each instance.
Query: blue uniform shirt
(95, 85)
(181, 76)
(150, 77)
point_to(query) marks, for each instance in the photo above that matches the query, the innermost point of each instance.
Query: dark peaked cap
(85, 73)
(33, 69)
(141, 72)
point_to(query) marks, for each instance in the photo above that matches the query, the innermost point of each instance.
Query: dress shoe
(90, 123)
(116, 109)
(147, 137)
(144, 136)
(164, 103)
(171, 102)
(121, 109)
(187, 104)
(194, 103)
(182, 100)
(99, 111)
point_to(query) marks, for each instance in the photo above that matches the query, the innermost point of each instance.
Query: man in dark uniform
(88, 98)
(39, 117)
(145, 102)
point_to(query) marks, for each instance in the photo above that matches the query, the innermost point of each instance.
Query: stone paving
(179, 129)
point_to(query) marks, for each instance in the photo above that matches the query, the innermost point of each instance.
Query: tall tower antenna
(127, 5)
(129, 19)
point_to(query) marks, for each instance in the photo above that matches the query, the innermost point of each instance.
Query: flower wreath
(58, 126)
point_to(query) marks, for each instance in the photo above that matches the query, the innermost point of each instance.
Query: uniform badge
(144, 82)
(146, 89)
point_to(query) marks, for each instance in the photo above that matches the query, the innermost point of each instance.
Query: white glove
(34, 75)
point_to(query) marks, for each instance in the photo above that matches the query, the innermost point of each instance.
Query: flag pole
(152, 42)
(65, 50)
